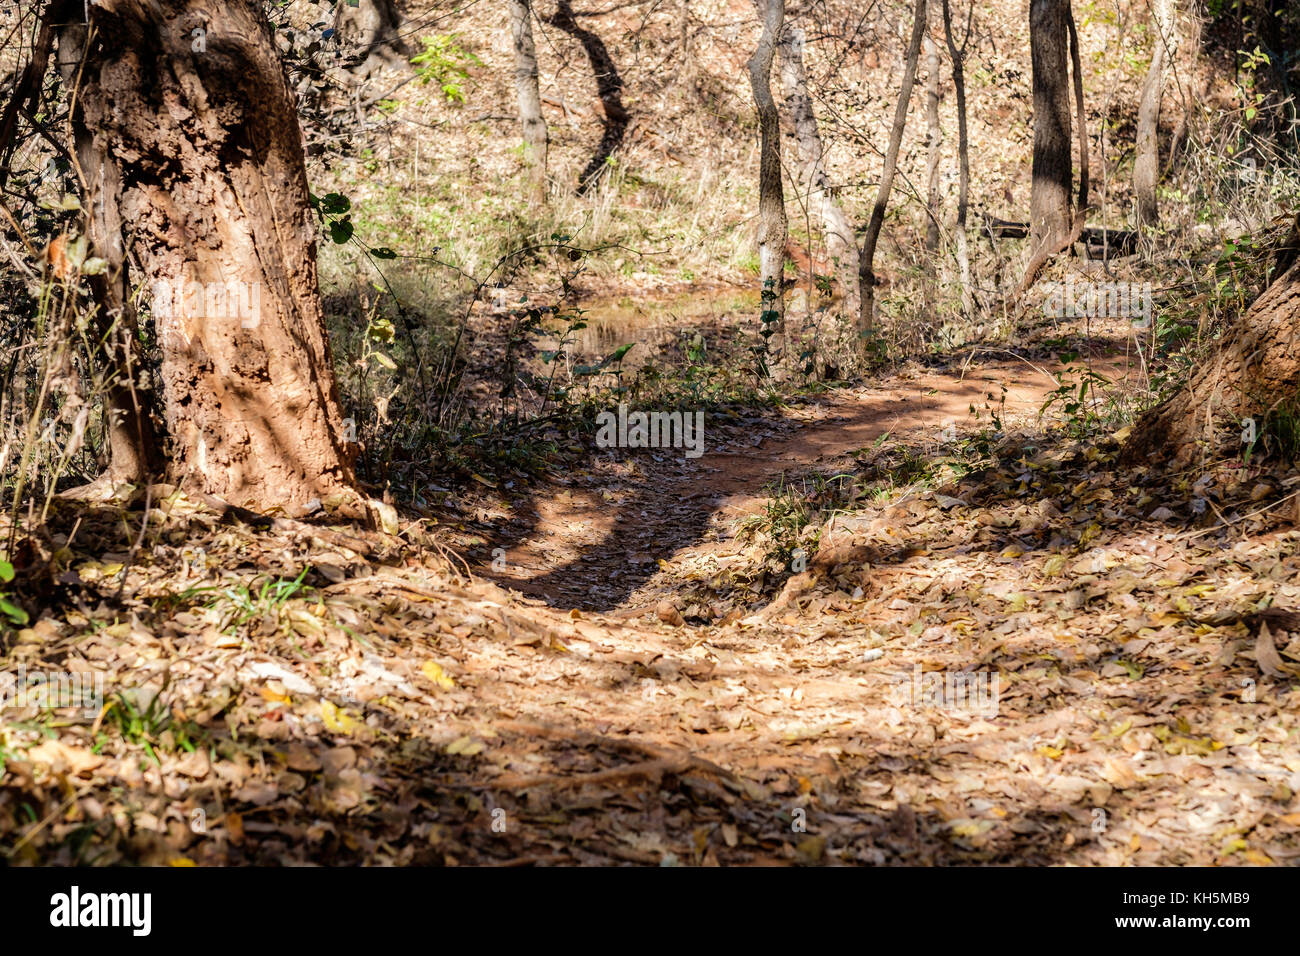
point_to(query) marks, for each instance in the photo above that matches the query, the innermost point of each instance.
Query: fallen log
(1099, 242)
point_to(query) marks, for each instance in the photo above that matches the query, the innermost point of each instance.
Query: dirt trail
(595, 541)
(402, 714)
(1109, 730)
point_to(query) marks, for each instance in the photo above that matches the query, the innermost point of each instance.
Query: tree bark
(1146, 164)
(867, 263)
(190, 127)
(958, 55)
(1254, 372)
(773, 229)
(933, 144)
(1050, 196)
(841, 246)
(134, 454)
(536, 138)
(1080, 116)
(1192, 93)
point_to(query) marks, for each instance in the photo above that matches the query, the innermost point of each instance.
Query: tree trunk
(958, 55)
(134, 455)
(1050, 199)
(867, 263)
(933, 143)
(1146, 163)
(1080, 117)
(1193, 93)
(536, 139)
(1253, 373)
(772, 225)
(371, 28)
(841, 246)
(190, 127)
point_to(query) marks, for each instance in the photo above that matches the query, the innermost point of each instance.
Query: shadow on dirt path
(596, 540)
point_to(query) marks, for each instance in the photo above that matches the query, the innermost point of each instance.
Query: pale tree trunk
(1050, 196)
(371, 29)
(1146, 164)
(958, 54)
(841, 247)
(773, 228)
(933, 146)
(190, 129)
(1252, 374)
(536, 138)
(867, 262)
(1191, 92)
(933, 143)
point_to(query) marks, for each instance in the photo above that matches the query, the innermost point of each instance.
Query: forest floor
(644, 684)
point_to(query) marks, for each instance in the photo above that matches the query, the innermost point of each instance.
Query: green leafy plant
(445, 63)
(152, 726)
(11, 611)
(1077, 397)
(791, 522)
(239, 603)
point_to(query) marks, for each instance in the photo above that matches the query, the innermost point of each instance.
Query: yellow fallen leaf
(434, 672)
(466, 746)
(181, 861)
(969, 828)
(1259, 858)
(337, 719)
(305, 623)
(274, 696)
(1052, 752)
(1054, 565)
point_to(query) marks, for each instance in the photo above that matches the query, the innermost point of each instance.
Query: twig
(1188, 535)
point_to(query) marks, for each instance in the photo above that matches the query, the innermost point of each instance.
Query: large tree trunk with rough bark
(773, 229)
(1253, 373)
(867, 262)
(186, 121)
(841, 247)
(536, 138)
(1050, 196)
(134, 454)
(1146, 162)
